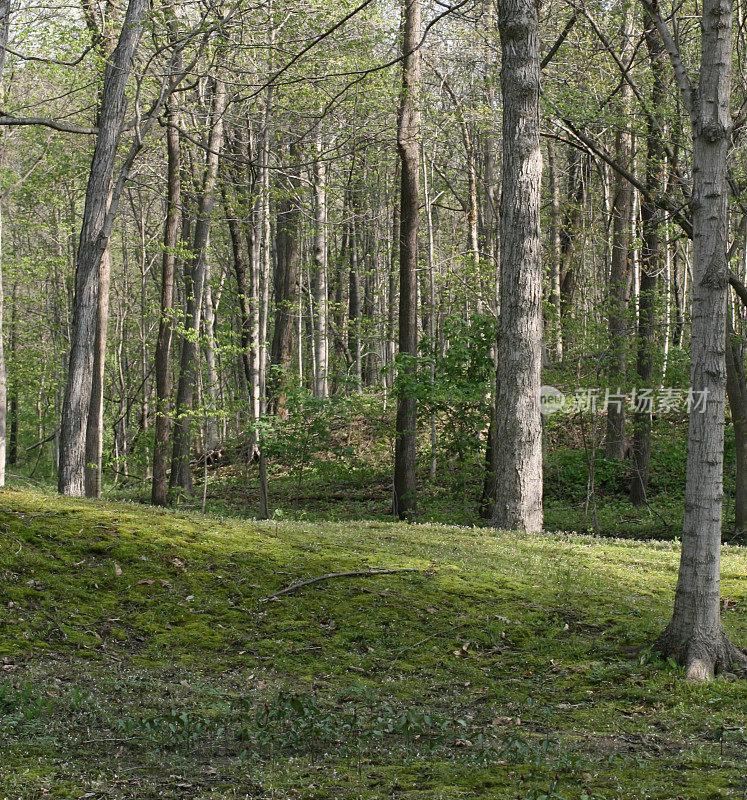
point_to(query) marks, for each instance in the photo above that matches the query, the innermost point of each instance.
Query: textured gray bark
(159, 491)
(408, 132)
(621, 273)
(554, 251)
(286, 287)
(321, 342)
(517, 456)
(695, 636)
(651, 263)
(95, 424)
(4, 31)
(93, 242)
(736, 389)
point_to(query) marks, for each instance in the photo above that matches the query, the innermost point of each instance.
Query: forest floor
(141, 659)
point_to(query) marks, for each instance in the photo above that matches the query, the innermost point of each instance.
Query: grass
(138, 661)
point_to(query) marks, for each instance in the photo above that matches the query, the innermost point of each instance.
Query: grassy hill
(141, 659)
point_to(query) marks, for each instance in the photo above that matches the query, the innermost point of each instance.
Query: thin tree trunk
(95, 425)
(159, 489)
(286, 288)
(736, 389)
(518, 434)
(4, 32)
(94, 240)
(650, 266)
(321, 300)
(554, 252)
(181, 475)
(210, 393)
(620, 271)
(408, 133)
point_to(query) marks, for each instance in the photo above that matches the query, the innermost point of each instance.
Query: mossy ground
(139, 662)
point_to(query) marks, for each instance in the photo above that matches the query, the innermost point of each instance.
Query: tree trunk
(181, 475)
(286, 289)
(556, 337)
(95, 425)
(93, 243)
(736, 389)
(517, 456)
(159, 489)
(321, 300)
(650, 266)
(620, 270)
(695, 636)
(408, 133)
(4, 32)
(210, 394)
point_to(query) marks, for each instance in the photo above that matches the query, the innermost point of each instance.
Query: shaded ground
(138, 661)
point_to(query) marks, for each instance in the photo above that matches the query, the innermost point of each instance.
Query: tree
(517, 450)
(408, 132)
(651, 258)
(621, 274)
(4, 30)
(159, 487)
(695, 635)
(194, 283)
(94, 238)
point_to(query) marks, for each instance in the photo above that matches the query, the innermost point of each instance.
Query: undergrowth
(140, 661)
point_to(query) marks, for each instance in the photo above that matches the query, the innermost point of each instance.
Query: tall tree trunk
(286, 288)
(181, 475)
(4, 32)
(95, 424)
(620, 269)
(554, 252)
(354, 302)
(651, 218)
(391, 317)
(212, 381)
(408, 133)
(570, 236)
(321, 299)
(159, 489)
(736, 389)
(94, 240)
(13, 439)
(517, 454)
(695, 636)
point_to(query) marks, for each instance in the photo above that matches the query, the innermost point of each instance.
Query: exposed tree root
(702, 656)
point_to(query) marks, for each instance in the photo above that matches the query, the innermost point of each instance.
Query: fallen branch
(354, 574)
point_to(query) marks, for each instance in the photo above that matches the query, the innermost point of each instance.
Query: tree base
(702, 656)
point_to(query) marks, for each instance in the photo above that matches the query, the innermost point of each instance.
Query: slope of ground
(140, 660)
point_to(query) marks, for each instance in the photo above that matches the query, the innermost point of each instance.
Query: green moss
(510, 645)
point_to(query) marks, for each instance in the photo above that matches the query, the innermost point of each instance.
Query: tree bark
(4, 32)
(321, 300)
(651, 261)
(95, 424)
(93, 242)
(408, 146)
(517, 456)
(556, 336)
(286, 289)
(736, 389)
(159, 488)
(695, 636)
(181, 475)
(620, 270)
